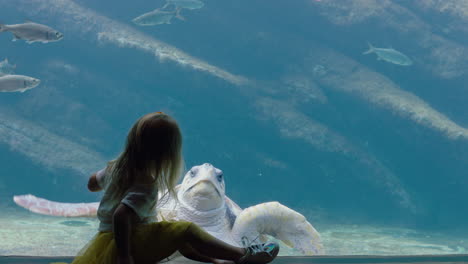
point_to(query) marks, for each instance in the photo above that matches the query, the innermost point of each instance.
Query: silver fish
(187, 4)
(156, 17)
(390, 55)
(32, 32)
(6, 68)
(17, 83)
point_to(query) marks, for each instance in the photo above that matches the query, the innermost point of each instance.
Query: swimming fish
(157, 17)
(32, 32)
(390, 55)
(17, 83)
(6, 68)
(187, 4)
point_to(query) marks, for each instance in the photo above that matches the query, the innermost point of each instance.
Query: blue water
(363, 141)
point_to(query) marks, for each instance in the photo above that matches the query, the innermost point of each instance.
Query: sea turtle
(202, 200)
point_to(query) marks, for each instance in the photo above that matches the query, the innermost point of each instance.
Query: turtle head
(203, 188)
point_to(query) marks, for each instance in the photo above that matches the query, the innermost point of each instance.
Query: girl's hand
(125, 260)
(93, 184)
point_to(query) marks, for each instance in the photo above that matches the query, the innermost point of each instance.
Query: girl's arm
(123, 218)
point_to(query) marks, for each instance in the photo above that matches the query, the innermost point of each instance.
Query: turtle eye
(219, 177)
(192, 174)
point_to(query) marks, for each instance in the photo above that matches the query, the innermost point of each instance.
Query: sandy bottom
(25, 233)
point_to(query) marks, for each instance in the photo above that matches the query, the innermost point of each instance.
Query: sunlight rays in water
(293, 124)
(346, 75)
(84, 21)
(441, 56)
(46, 148)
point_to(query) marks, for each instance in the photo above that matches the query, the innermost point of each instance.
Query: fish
(17, 83)
(6, 68)
(32, 32)
(187, 4)
(157, 17)
(390, 55)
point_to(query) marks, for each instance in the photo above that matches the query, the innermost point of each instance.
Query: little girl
(128, 231)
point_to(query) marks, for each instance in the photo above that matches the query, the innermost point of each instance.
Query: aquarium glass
(338, 127)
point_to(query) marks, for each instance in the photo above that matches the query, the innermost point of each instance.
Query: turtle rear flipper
(280, 222)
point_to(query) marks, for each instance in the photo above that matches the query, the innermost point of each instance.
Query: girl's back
(142, 198)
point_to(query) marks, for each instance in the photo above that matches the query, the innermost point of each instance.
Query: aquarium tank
(339, 127)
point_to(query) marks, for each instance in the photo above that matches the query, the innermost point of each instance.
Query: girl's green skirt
(150, 243)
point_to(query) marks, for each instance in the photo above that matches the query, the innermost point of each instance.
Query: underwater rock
(32, 32)
(390, 55)
(17, 83)
(349, 76)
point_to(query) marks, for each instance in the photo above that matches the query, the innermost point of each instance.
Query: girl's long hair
(152, 155)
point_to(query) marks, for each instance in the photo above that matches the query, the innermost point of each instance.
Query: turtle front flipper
(280, 222)
(46, 207)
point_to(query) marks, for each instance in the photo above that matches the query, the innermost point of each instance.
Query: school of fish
(30, 32)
